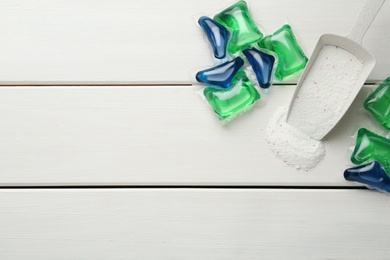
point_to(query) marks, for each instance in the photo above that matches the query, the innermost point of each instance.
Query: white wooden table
(107, 152)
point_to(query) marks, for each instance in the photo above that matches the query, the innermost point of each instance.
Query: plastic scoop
(333, 77)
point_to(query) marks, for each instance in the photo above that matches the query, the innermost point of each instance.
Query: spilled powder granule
(292, 146)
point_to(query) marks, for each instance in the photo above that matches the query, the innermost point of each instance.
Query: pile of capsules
(372, 151)
(238, 45)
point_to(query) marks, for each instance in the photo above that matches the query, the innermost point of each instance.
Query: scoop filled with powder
(336, 71)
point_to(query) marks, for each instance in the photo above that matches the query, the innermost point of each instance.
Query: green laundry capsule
(238, 98)
(239, 21)
(378, 104)
(371, 147)
(291, 58)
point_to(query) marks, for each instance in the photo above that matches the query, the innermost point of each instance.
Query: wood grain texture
(165, 135)
(54, 41)
(193, 224)
(152, 136)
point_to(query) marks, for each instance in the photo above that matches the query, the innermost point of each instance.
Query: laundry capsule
(243, 29)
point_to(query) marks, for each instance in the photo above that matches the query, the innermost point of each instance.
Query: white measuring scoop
(333, 77)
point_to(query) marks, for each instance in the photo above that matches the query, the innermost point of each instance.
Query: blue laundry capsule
(262, 64)
(221, 75)
(217, 35)
(371, 174)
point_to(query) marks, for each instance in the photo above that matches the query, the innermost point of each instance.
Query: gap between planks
(120, 84)
(100, 84)
(205, 187)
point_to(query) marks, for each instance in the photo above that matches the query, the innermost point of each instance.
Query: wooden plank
(152, 136)
(193, 224)
(55, 41)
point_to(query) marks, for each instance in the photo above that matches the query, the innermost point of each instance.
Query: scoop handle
(364, 20)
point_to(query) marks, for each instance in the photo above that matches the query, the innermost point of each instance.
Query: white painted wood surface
(152, 135)
(165, 135)
(194, 224)
(150, 41)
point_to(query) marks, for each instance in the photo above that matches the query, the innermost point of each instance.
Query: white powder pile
(292, 146)
(322, 97)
